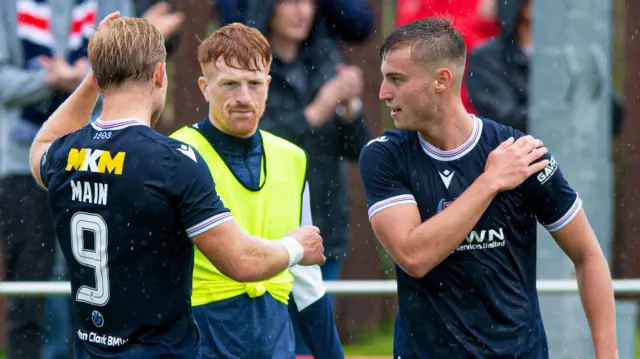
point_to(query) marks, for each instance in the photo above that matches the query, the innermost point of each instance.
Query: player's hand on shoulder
(513, 161)
(310, 239)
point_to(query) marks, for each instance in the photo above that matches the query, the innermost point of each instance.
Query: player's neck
(119, 104)
(451, 129)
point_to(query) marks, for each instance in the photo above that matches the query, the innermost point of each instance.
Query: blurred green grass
(379, 342)
(382, 344)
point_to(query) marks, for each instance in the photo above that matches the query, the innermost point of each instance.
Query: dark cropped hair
(432, 39)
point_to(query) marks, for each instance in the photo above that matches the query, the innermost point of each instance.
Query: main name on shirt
(96, 161)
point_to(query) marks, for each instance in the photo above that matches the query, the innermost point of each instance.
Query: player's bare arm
(419, 247)
(72, 115)
(579, 242)
(246, 258)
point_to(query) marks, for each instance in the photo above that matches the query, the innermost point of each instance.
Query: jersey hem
(390, 202)
(567, 217)
(209, 223)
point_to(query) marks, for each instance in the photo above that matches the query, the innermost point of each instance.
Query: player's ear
(159, 75)
(266, 92)
(202, 85)
(444, 78)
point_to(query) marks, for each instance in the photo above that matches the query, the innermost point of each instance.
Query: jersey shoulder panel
(178, 151)
(393, 142)
(499, 132)
(385, 168)
(395, 147)
(172, 151)
(395, 137)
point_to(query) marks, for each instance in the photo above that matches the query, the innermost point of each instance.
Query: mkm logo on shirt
(97, 161)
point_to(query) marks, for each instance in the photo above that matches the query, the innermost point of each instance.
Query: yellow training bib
(269, 212)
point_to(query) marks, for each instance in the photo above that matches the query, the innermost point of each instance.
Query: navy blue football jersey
(481, 301)
(125, 202)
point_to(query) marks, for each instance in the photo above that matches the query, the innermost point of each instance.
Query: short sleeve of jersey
(554, 202)
(383, 184)
(48, 161)
(193, 191)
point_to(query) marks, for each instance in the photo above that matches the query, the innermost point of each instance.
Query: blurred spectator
(348, 20)
(163, 16)
(476, 20)
(314, 102)
(42, 60)
(498, 71)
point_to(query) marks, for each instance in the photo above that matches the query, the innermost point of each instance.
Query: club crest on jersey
(98, 161)
(443, 204)
(97, 319)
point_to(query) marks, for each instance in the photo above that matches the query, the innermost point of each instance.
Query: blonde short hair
(125, 50)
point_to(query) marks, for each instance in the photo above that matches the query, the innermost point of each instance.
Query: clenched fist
(310, 239)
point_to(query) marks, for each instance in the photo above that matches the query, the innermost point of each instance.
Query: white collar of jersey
(116, 124)
(458, 152)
